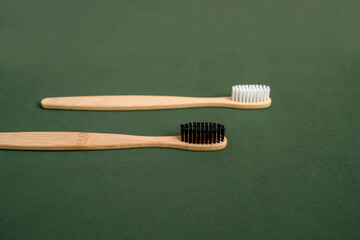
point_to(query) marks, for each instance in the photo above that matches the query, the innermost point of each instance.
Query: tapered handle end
(46, 103)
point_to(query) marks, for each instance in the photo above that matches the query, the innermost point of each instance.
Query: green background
(289, 172)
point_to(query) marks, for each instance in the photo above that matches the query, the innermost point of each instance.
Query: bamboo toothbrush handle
(133, 102)
(70, 141)
(93, 141)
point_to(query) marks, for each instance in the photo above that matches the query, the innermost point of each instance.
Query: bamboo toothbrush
(243, 97)
(194, 137)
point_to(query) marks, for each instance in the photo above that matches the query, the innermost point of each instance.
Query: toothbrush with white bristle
(242, 97)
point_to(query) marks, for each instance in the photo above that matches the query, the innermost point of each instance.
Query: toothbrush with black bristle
(242, 97)
(193, 136)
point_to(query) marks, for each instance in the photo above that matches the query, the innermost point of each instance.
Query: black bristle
(182, 128)
(210, 133)
(222, 132)
(214, 133)
(190, 132)
(186, 132)
(194, 133)
(198, 133)
(202, 132)
(218, 130)
(206, 133)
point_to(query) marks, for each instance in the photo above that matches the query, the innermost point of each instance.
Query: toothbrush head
(250, 93)
(202, 133)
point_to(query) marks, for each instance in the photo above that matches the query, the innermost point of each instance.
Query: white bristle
(233, 93)
(237, 93)
(262, 93)
(240, 93)
(243, 91)
(250, 93)
(247, 93)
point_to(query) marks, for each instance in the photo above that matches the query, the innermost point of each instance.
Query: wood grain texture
(95, 141)
(134, 102)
